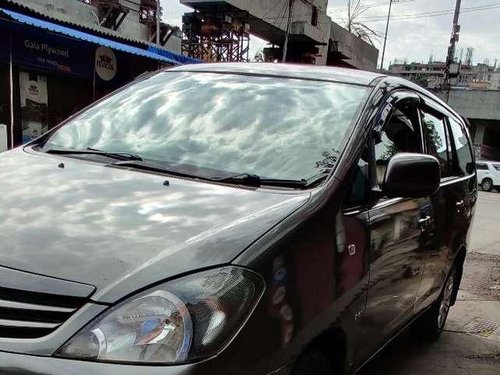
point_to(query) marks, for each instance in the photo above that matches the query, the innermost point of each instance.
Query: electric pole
(349, 28)
(287, 34)
(158, 16)
(386, 32)
(455, 35)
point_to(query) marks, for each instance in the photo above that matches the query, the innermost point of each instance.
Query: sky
(412, 36)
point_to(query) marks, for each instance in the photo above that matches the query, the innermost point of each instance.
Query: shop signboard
(105, 63)
(34, 105)
(52, 53)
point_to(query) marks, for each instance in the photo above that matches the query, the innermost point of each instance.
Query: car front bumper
(21, 364)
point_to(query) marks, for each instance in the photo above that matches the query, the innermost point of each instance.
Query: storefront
(49, 71)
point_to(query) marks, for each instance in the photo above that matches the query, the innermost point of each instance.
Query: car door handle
(424, 222)
(460, 204)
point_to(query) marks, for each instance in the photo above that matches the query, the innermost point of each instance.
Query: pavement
(470, 343)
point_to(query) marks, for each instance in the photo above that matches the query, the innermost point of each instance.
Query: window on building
(314, 16)
(463, 163)
(436, 140)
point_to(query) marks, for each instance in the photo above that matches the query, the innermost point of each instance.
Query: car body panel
(324, 289)
(108, 227)
(397, 256)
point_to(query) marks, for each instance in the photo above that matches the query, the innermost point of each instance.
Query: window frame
(456, 166)
(386, 110)
(442, 117)
(438, 109)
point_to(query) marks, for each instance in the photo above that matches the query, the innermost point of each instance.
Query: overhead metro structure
(219, 31)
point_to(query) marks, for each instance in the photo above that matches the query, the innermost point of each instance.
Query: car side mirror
(411, 175)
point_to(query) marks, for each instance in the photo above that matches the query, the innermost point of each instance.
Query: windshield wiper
(153, 167)
(254, 180)
(245, 179)
(91, 151)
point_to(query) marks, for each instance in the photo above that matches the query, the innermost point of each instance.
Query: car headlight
(182, 320)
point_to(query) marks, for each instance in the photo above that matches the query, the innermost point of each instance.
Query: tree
(361, 30)
(329, 160)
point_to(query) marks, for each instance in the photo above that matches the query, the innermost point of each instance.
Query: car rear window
(463, 151)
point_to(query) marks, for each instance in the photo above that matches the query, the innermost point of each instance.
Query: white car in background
(488, 174)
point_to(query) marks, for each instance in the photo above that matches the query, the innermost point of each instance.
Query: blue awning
(181, 59)
(152, 52)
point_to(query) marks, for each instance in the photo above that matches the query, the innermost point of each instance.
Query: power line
(423, 14)
(273, 8)
(369, 6)
(281, 14)
(438, 13)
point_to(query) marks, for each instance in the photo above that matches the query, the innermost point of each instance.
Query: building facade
(431, 75)
(218, 30)
(475, 94)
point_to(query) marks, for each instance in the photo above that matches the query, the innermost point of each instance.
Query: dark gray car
(234, 219)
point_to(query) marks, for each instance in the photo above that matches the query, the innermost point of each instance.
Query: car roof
(312, 72)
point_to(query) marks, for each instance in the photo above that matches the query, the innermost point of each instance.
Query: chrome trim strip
(386, 203)
(34, 307)
(25, 324)
(456, 180)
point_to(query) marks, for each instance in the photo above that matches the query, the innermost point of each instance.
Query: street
(471, 341)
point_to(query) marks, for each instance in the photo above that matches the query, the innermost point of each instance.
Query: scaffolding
(216, 37)
(111, 12)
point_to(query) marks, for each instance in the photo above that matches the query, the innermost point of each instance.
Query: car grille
(27, 314)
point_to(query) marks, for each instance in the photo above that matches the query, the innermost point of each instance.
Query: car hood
(122, 230)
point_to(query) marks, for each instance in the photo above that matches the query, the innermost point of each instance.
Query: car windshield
(272, 127)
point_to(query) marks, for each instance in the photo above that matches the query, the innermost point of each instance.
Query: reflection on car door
(446, 139)
(397, 230)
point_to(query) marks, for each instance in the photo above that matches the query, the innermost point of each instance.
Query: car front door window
(401, 134)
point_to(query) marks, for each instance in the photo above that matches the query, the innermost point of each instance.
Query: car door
(462, 187)
(446, 139)
(397, 228)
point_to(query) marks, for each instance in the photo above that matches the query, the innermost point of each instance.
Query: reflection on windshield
(271, 127)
